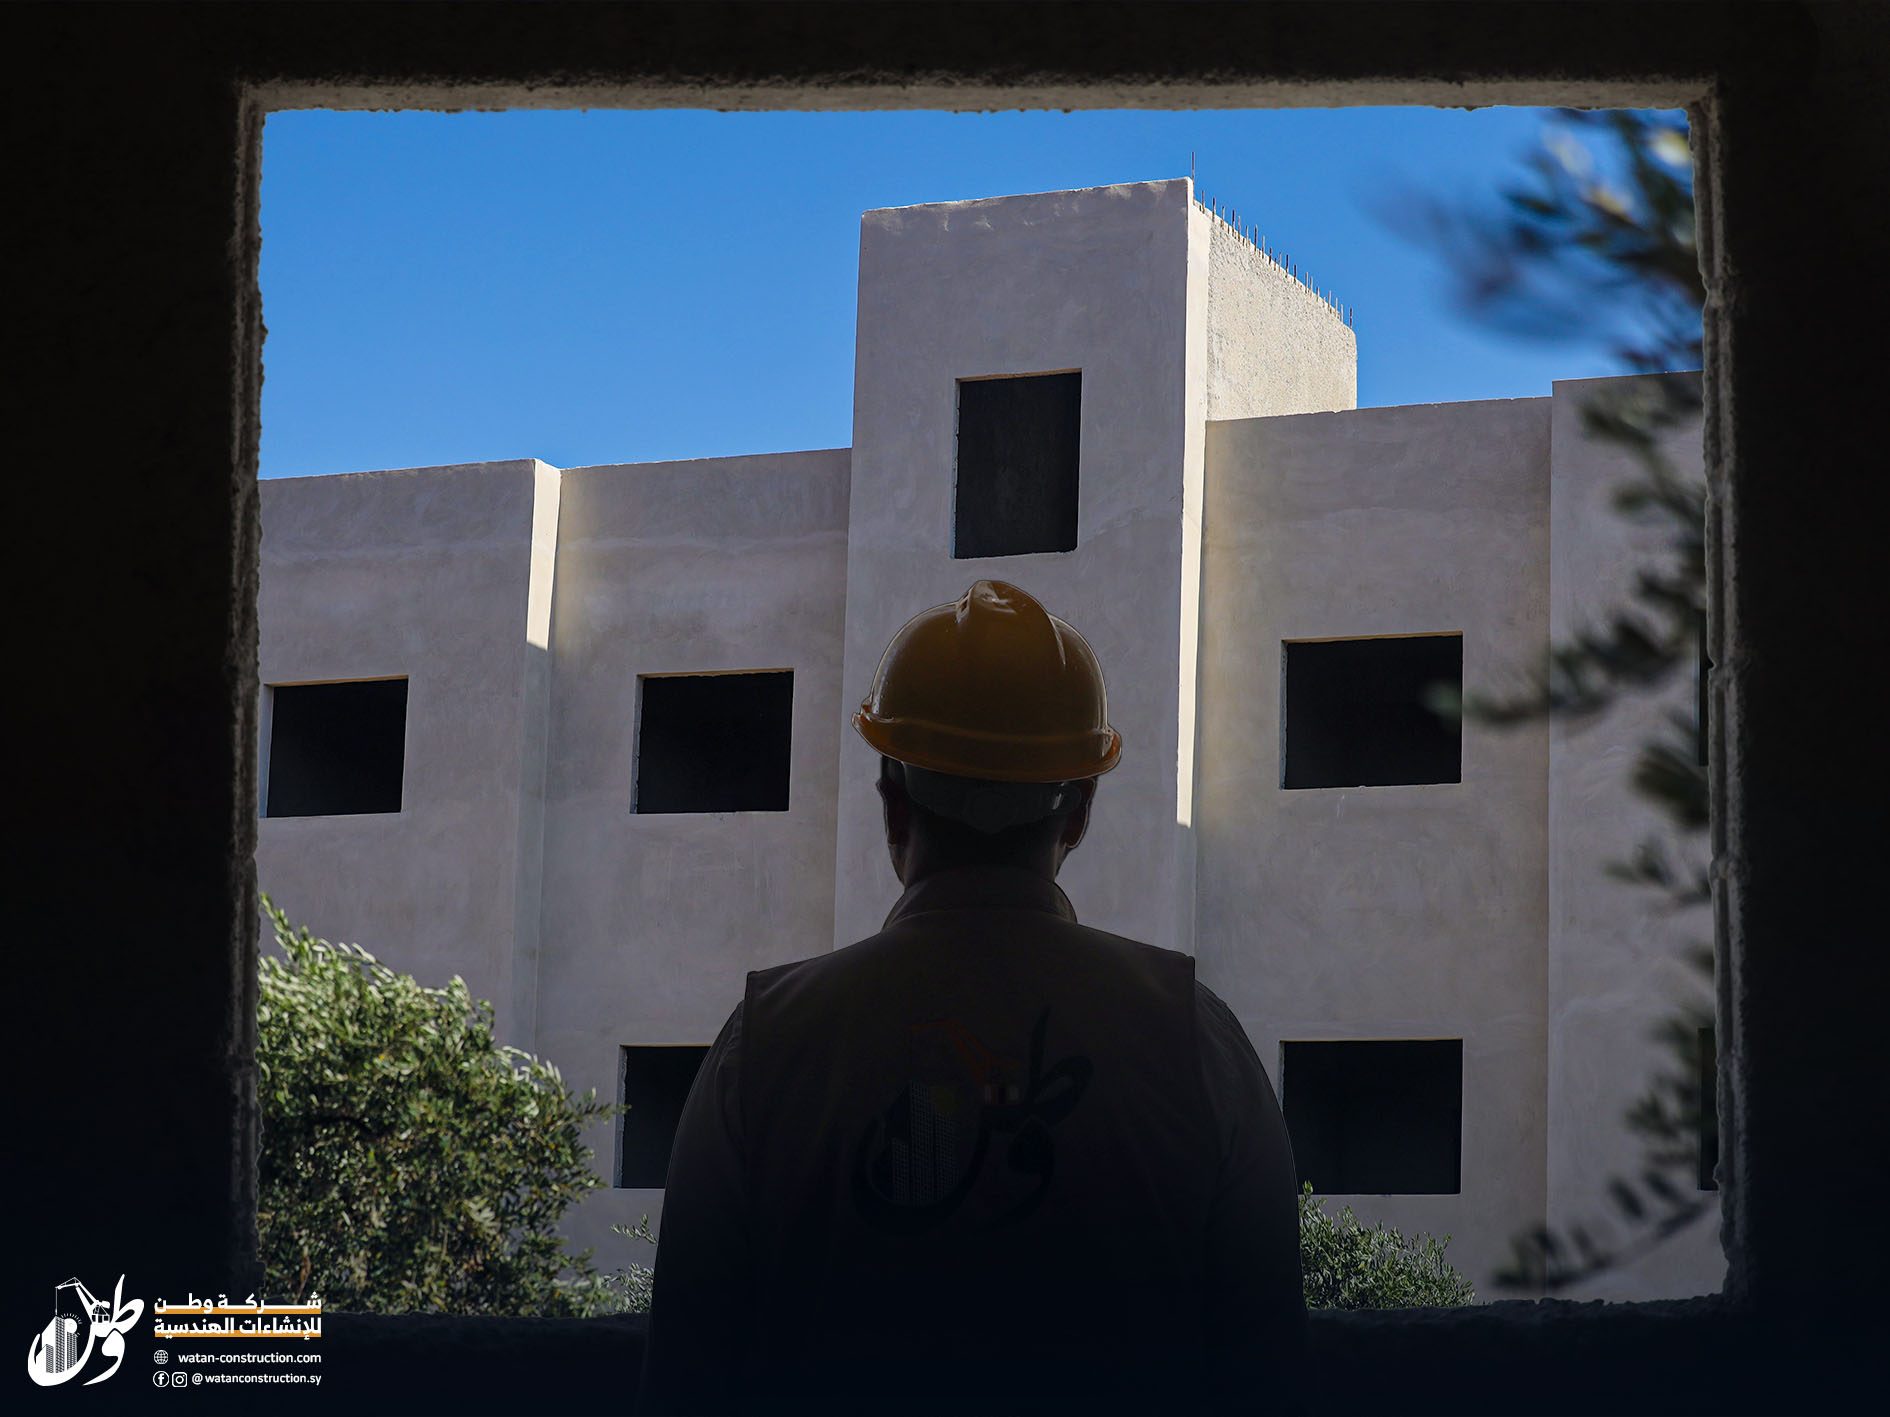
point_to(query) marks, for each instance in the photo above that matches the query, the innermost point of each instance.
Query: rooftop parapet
(1251, 234)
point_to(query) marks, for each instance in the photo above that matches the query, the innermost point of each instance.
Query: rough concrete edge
(242, 1257)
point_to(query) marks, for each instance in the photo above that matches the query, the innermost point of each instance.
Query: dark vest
(979, 1162)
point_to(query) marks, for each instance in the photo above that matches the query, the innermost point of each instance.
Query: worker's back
(987, 1160)
(983, 1155)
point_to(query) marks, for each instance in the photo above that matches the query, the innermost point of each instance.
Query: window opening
(714, 742)
(1357, 712)
(1378, 1117)
(1018, 450)
(654, 1082)
(336, 749)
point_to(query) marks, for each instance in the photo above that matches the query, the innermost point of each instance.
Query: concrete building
(493, 694)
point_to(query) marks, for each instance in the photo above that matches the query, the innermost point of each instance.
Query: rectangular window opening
(1359, 713)
(1018, 452)
(654, 1082)
(713, 742)
(1378, 1117)
(336, 749)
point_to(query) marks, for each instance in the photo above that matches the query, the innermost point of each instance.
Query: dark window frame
(1677, 65)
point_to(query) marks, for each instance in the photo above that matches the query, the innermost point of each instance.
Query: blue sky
(628, 286)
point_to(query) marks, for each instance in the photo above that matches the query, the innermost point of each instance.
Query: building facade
(580, 735)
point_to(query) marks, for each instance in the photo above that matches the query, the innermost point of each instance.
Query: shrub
(1350, 1265)
(409, 1162)
(625, 1289)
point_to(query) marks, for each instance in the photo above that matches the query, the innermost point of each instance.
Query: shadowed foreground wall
(1548, 1357)
(135, 148)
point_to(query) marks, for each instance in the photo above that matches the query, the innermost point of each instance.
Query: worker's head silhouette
(992, 725)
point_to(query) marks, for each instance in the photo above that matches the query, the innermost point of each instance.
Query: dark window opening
(336, 749)
(1017, 465)
(1375, 1118)
(654, 1083)
(714, 742)
(1358, 712)
(1709, 1109)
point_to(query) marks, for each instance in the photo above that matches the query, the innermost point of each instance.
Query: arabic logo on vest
(55, 1355)
(918, 1162)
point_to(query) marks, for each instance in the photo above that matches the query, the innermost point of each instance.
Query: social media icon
(160, 1377)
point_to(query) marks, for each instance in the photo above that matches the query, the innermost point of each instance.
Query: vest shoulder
(1023, 926)
(886, 947)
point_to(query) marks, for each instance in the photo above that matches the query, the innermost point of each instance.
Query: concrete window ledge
(1545, 1356)
(1549, 1355)
(446, 1363)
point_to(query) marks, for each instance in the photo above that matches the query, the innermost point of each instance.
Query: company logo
(80, 1322)
(923, 1158)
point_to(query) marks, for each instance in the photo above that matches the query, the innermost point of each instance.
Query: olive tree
(1347, 1264)
(410, 1162)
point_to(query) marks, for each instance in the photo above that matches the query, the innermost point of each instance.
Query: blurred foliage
(627, 1288)
(1594, 243)
(1347, 1264)
(409, 1162)
(1597, 239)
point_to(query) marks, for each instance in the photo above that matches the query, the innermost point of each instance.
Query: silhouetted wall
(134, 136)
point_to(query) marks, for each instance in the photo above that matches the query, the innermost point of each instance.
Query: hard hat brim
(1061, 757)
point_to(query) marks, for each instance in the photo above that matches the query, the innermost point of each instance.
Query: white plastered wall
(428, 573)
(1116, 282)
(650, 922)
(1384, 912)
(1272, 347)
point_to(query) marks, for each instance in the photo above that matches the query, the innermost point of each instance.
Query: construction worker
(989, 1159)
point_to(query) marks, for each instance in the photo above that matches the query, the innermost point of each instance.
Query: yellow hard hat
(991, 686)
